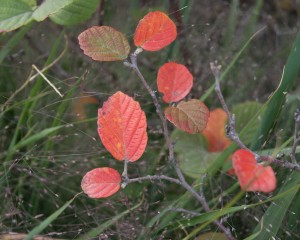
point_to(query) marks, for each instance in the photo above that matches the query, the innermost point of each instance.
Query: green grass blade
(232, 23)
(230, 65)
(277, 100)
(253, 19)
(276, 212)
(62, 109)
(96, 231)
(209, 217)
(17, 37)
(38, 229)
(254, 236)
(37, 137)
(29, 106)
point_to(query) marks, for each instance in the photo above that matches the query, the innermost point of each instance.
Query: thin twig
(134, 66)
(125, 172)
(31, 78)
(153, 178)
(48, 81)
(206, 207)
(296, 136)
(232, 134)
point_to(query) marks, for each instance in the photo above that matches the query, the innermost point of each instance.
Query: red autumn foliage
(155, 31)
(101, 182)
(174, 81)
(251, 175)
(215, 131)
(81, 103)
(122, 127)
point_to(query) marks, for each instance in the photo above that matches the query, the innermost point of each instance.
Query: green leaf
(277, 100)
(243, 114)
(193, 159)
(31, 3)
(14, 14)
(49, 220)
(74, 13)
(49, 7)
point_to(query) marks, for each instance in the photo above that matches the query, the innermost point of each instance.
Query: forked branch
(232, 134)
(134, 66)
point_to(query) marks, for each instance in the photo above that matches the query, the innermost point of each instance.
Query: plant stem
(296, 136)
(134, 66)
(153, 178)
(232, 134)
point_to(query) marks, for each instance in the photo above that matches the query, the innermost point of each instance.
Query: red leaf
(122, 127)
(104, 44)
(251, 175)
(155, 31)
(215, 131)
(101, 182)
(189, 116)
(174, 81)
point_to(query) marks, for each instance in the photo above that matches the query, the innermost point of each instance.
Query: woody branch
(232, 134)
(199, 196)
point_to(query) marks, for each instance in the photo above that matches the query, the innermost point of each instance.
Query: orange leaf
(122, 127)
(101, 182)
(104, 44)
(81, 103)
(190, 116)
(215, 131)
(251, 175)
(174, 81)
(155, 31)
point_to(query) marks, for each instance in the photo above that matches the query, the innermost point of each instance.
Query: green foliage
(194, 160)
(243, 114)
(277, 100)
(75, 12)
(45, 147)
(273, 217)
(14, 14)
(96, 231)
(38, 229)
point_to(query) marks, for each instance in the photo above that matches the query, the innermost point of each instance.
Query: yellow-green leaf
(104, 44)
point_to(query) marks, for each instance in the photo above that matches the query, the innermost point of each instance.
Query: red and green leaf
(251, 175)
(215, 131)
(174, 81)
(190, 116)
(101, 182)
(122, 127)
(104, 44)
(155, 31)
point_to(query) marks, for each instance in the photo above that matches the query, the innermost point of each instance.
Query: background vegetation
(48, 142)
